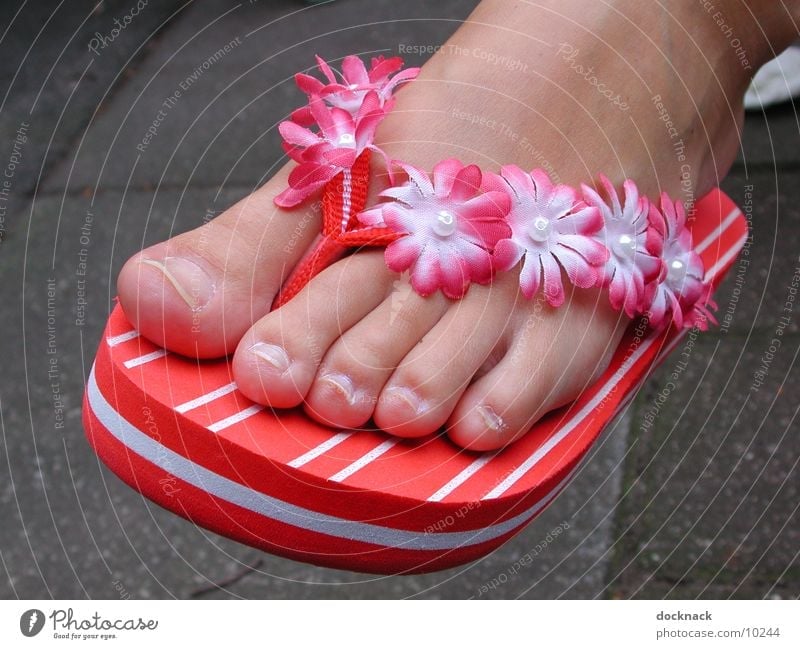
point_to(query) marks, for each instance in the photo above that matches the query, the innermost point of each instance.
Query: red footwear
(178, 431)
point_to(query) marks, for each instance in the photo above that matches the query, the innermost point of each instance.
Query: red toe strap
(342, 199)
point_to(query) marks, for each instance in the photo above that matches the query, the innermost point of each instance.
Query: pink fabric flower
(680, 293)
(356, 81)
(321, 156)
(450, 227)
(634, 248)
(551, 228)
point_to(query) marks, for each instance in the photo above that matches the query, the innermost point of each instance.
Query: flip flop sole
(178, 431)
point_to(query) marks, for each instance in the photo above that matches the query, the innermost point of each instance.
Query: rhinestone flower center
(540, 229)
(445, 223)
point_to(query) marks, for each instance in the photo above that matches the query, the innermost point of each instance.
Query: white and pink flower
(449, 227)
(551, 229)
(342, 137)
(680, 293)
(354, 82)
(634, 247)
(346, 113)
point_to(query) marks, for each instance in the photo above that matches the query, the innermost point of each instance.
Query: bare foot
(571, 87)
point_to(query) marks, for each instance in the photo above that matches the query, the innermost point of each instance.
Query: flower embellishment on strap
(450, 227)
(681, 293)
(633, 249)
(345, 113)
(355, 82)
(321, 156)
(462, 225)
(551, 229)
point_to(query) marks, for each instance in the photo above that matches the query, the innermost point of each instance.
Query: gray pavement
(701, 503)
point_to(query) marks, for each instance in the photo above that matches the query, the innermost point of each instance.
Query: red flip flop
(178, 431)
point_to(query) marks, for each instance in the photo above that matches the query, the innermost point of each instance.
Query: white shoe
(776, 81)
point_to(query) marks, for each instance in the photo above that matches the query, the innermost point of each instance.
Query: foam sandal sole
(178, 431)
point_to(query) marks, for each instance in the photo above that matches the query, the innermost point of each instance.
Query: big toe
(199, 292)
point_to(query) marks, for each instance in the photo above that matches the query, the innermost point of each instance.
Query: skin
(568, 86)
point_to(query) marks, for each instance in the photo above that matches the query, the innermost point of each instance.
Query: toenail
(341, 384)
(272, 354)
(408, 398)
(191, 282)
(491, 419)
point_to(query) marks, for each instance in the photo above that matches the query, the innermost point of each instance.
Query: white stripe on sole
(461, 478)
(363, 461)
(713, 236)
(205, 398)
(315, 452)
(113, 341)
(222, 424)
(141, 360)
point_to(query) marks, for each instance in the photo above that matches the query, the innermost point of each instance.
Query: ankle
(764, 27)
(540, 60)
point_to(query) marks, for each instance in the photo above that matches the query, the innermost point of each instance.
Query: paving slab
(771, 138)
(752, 296)
(710, 497)
(51, 82)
